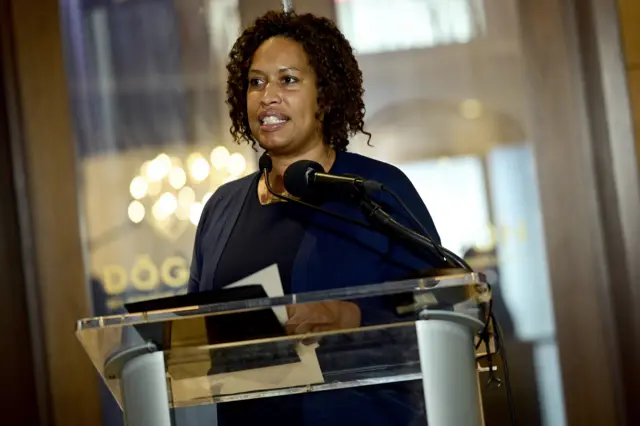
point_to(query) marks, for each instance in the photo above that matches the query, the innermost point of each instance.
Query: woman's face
(282, 98)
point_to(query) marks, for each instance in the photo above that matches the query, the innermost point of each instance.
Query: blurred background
(514, 119)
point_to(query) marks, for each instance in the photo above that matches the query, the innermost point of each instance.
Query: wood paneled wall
(17, 361)
(588, 184)
(47, 150)
(629, 18)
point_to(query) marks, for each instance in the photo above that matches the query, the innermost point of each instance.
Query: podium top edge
(460, 280)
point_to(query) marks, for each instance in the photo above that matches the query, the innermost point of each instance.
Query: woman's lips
(272, 126)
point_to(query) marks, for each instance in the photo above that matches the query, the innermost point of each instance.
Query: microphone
(265, 165)
(306, 178)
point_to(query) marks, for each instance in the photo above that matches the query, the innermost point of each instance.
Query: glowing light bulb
(198, 167)
(165, 206)
(136, 211)
(219, 157)
(158, 168)
(177, 177)
(237, 164)
(138, 187)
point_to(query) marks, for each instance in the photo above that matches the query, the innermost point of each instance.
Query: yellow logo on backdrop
(145, 275)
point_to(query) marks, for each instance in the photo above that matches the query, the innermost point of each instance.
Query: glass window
(452, 118)
(452, 187)
(148, 81)
(375, 26)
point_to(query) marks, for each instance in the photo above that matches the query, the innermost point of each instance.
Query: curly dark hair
(338, 76)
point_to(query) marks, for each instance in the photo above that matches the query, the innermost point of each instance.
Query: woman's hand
(322, 316)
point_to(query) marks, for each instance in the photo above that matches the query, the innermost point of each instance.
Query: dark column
(40, 211)
(17, 360)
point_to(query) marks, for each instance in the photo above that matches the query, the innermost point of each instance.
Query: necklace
(266, 197)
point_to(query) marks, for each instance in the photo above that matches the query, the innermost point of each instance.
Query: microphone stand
(421, 243)
(394, 229)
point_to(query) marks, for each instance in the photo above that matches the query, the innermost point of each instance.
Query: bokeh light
(138, 187)
(219, 157)
(136, 211)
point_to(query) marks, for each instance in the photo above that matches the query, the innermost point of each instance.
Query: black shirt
(263, 235)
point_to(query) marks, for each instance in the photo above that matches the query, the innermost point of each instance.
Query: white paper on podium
(269, 278)
(191, 382)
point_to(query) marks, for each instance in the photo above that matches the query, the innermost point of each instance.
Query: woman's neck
(322, 154)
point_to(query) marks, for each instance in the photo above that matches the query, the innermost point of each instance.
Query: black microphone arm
(318, 178)
(376, 214)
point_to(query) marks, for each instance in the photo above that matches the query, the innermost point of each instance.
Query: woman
(295, 89)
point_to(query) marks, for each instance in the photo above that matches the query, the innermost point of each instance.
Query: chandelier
(171, 190)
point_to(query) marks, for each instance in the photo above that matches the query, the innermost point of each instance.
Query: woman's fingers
(321, 316)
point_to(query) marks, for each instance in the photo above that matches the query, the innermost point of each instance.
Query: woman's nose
(271, 94)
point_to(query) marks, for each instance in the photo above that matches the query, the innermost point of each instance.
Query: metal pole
(287, 6)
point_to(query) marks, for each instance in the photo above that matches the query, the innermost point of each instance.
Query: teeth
(272, 120)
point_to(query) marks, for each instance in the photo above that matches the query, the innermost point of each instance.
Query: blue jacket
(372, 257)
(332, 254)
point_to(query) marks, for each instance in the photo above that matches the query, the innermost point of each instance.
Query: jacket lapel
(227, 212)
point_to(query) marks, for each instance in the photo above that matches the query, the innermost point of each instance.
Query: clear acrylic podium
(414, 330)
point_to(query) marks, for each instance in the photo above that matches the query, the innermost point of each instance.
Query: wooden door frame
(22, 359)
(588, 182)
(43, 153)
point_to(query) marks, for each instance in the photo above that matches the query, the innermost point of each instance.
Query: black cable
(408, 211)
(502, 352)
(415, 221)
(449, 257)
(487, 323)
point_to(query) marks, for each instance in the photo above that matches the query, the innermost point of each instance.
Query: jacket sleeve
(195, 270)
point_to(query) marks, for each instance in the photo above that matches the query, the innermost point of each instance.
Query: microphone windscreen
(296, 178)
(265, 163)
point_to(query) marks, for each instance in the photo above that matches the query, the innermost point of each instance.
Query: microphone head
(265, 163)
(297, 178)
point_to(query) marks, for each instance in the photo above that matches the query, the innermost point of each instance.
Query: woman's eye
(254, 82)
(289, 79)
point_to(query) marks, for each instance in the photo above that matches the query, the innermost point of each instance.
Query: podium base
(144, 391)
(449, 373)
